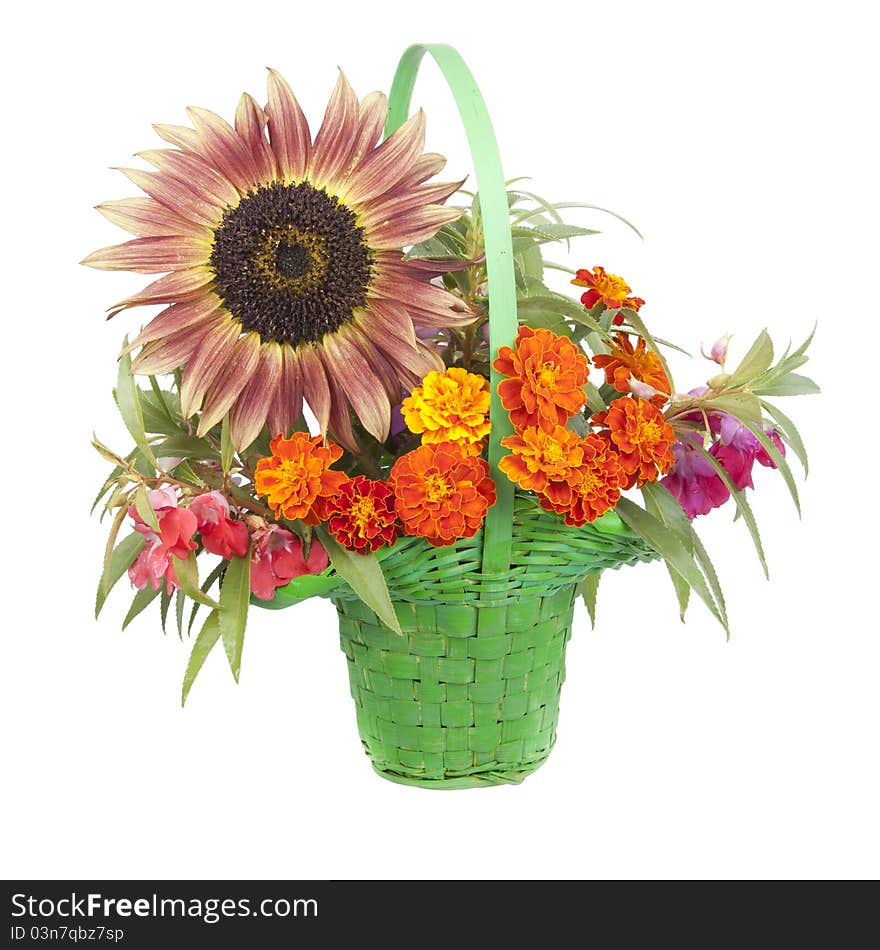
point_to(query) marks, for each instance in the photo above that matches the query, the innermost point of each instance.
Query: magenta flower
(693, 480)
(176, 528)
(220, 534)
(277, 558)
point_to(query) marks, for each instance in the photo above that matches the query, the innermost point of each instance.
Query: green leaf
(108, 548)
(179, 604)
(661, 504)
(754, 363)
(550, 231)
(581, 204)
(595, 402)
(789, 433)
(121, 559)
(742, 505)
(227, 450)
(187, 573)
(128, 400)
(744, 406)
(363, 573)
(669, 546)
(164, 604)
(235, 595)
(708, 568)
(589, 590)
(181, 445)
(792, 384)
(299, 589)
(208, 584)
(779, 461)
(208, 636)
(144, 508)
(142, 599)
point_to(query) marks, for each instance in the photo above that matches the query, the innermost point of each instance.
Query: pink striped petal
(399, 202)
(183, 137)
(316, 387)
(193, 173)
(151, 255)
(340, 417)
(176, 287)
(411, 228)
(382, 367)
(175, 318)
(145, 217)
(175, 196)
(372, 113)
(359, 383)
(333, 143)
(229, 152)
(288, 130)
(250, 123)
(383, 167)
(230, 381)
(207, 363)
(172, 352)
(248, 415)
(426, 166)
(387, 316)
(286, 407)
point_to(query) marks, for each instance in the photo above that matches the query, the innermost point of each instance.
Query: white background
(740, 140)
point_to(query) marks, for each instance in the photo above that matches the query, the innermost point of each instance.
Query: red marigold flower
(597, 485)
(363, 516)
(547, 463)
(440, 493)
(625, 362)
(641, 436)
(607, 288)
(297, 480)
(220, 534)
(547, 375)
(277, 557)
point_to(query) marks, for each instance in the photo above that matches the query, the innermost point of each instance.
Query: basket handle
(499, 266)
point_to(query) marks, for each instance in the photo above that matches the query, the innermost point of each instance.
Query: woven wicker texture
(470, 694)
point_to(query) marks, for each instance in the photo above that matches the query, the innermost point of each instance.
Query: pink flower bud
(643, 390)
(718, 353)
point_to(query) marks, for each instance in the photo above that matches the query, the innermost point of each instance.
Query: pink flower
(718, 353)
(277, 558)
(763, 457)
(220, 534)
(738, 463)
(176, 528)
(693, 480)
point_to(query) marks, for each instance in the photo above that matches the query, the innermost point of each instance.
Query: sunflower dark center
(290, 263)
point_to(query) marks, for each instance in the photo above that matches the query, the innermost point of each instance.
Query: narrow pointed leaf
(363, 573)
(144, 508)
(227, 450)
(790, 434)
(121, 559)
(205, 641)
(589, 591)
(756, 361)
(187, 573)
(142, 599)
(778, 460)
(128, 400)
(235, 594)
(792, 384)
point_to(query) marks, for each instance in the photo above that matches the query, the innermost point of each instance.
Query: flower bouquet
(358, 391)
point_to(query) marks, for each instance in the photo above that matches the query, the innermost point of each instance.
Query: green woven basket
(469, 695)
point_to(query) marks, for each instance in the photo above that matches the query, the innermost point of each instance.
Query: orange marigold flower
(362, 516)
(440, 493)
(597, 488)
(607, 288)
(545, 462)
(296, 479)
(641, 436)
(450, 407)
(625, 362)
(547, 375)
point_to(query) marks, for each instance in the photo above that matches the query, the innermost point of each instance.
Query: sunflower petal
(398, 202)
(372, 113)
(194, 173)
(333, 143)
(426, 166)
(380, 365)
(176, 318)
(250, 123)
(226, 147)
(207, 363)
(383, 167)
(408, 229)
(150, 255)
(248, 415)
(176, 287)
(170, 352)
(315, 384)
(288, 130)
(145, 217)
(387, 316)
(340, 418)
(230, 381)
(359, 383)
(286, 406)
(175, 196)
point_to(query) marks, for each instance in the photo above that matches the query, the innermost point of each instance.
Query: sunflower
(285, 277)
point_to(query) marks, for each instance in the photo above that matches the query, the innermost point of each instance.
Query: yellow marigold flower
(450, 407)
